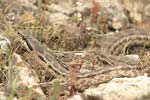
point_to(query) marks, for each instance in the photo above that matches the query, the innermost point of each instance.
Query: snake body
(111, 46)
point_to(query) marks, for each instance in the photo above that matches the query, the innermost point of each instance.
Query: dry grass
(70, 36)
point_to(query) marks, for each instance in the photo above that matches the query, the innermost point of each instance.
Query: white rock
(129, 59)
(121, 89)
(60, 8)
(25, 81)
(76, 97)
(2, 95)
(27, 3)
(147, 10)
(57, 18)
(4, 45)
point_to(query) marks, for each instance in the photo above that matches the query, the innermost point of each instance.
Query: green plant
(55, 92)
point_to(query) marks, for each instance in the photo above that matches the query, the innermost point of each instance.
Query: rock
(2, 94)
(33, 1)
(86, 67)
(121, 89)
(138, 9)
(147, 10)
(4, 50)
(116, 16)
(93, 93)
(84, 7)
(57, 18)
(26, 81)
(27, 3)
(76, 97)
(4, 45)
(113, 15)
(22, 79)
(129, 59)
(60, 8)
(12, 17)
(59, 12)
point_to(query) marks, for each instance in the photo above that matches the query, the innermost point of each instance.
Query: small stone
(27, 1)
(136, 17)
(130, 59)
(2, 94)
(32, 1)
(86, 67)
(92, 94)
(116, 24)
(76, 97)
(147, 10)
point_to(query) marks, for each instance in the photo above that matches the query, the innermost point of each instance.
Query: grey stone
(137, 88)
(130, 59)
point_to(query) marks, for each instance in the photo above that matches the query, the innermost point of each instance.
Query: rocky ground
(66, 25)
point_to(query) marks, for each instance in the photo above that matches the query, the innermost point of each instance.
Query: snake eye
(23, 34)
(19, 33)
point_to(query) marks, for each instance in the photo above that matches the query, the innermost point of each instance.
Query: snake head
(23, 34)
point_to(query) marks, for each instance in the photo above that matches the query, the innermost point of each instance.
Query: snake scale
(109, 46)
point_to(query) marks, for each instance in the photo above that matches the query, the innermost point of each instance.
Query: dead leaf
(27, 17)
